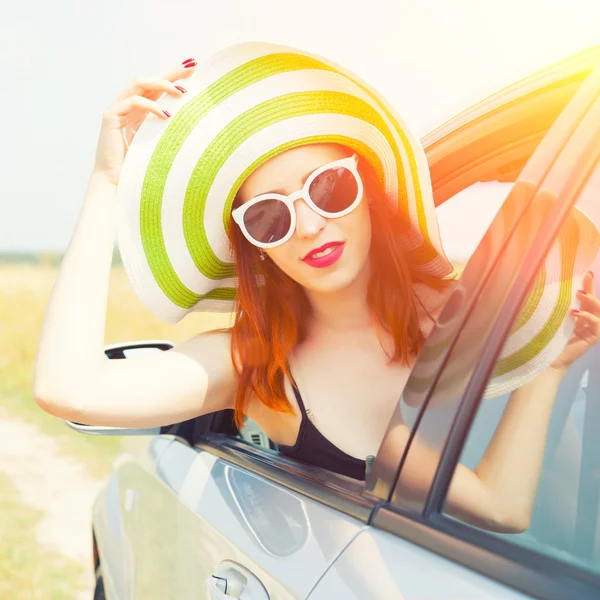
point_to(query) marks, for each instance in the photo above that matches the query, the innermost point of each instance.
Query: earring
(262, 255)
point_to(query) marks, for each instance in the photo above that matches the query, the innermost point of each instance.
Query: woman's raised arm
(72, 378)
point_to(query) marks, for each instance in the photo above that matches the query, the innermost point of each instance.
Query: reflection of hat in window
(544, 326)
(541, 329)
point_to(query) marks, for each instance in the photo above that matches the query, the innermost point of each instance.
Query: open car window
(457, 169)
(565, 523)
(508, 331)
(476, 157)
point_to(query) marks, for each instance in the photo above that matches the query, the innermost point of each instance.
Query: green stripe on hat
(569, 241)
(243, 128)
(533, 300)
(227, 293)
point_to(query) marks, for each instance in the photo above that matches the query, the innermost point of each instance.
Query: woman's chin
(330, 281)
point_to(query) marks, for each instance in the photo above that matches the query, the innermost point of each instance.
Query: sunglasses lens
(334, 190)
(268, 221)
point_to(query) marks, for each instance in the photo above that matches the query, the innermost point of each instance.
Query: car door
(414, 549)
(248, 519)
(136, 516)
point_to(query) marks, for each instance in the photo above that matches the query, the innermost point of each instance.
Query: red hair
(270, 318)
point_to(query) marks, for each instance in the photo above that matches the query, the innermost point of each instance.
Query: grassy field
(27, 571)
(24, 293)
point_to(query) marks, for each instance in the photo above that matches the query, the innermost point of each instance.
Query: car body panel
(380, 566)
(110, 542)
(565, 77)
(226, 513)
(132, 489)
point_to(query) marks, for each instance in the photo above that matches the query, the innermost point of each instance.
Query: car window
(485, 165)
(565, 521)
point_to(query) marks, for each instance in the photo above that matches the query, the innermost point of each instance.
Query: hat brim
(245, 105)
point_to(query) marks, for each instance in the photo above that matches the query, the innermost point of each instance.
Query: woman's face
(287, 172)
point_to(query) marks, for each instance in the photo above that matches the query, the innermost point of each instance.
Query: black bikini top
(313, 448)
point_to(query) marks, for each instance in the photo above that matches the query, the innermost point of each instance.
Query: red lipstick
(326, 259)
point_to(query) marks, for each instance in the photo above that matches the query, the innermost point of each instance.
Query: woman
(297, 173)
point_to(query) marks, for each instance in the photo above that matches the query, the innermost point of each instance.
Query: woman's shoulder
(207, 345)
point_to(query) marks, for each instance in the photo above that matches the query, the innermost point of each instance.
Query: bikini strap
(297, 394)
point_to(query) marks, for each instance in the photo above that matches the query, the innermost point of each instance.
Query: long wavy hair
(272, 309)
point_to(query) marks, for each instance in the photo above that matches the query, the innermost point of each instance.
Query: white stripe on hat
(128, 218)
(544, 308)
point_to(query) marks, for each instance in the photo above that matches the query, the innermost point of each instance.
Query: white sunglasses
(333, 190)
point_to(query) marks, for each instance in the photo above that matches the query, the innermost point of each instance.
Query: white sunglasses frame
(350, 163)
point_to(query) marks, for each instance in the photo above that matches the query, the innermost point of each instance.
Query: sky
(63, 62)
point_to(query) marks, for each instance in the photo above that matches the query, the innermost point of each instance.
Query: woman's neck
(343, 310)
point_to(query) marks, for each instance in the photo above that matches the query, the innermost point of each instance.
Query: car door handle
(232, 581)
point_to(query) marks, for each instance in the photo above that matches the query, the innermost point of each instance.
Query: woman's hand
(122, 119)
(587, 326)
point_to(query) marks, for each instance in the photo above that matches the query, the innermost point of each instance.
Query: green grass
(27, 570)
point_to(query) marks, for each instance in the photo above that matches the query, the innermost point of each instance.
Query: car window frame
(382, 479)
(522, 568)
(549, 90)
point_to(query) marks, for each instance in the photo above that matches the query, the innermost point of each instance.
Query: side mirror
(115, 352)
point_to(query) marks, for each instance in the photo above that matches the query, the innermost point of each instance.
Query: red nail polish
(591, 273)
(192, 64)
(582, 292)
(574, 311)
(182, 90)
(188, 60)
(166, 113)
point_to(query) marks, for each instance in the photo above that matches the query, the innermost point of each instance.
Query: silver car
(199, 510)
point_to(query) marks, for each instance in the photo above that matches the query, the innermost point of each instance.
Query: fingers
(154, 87)
(182, 71)
(586, 321)
(588, 301)
(123, 107)
(588, 283)
(151, 88)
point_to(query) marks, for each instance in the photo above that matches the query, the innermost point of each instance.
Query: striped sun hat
(244, 105)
